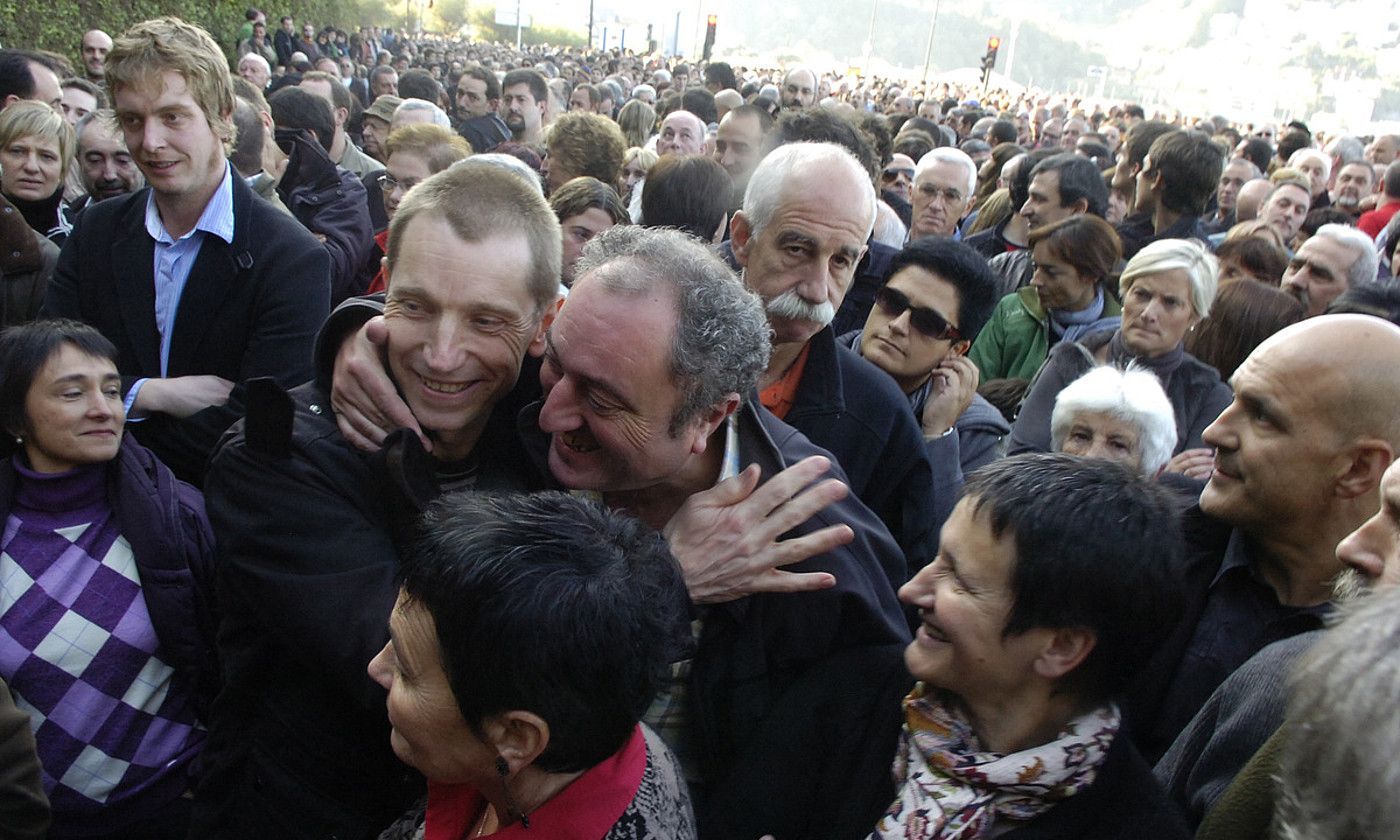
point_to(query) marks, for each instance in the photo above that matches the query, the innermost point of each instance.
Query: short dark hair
(1380, 298)
(821, 125)
(548, 604)
(380, 70)
(1257, 151)
(539, 88)
(1019, 186)
(1134, 111)
(493, 84)
(97, 93)
(877, 131)
(720, 73)
(1257, 255)
(961, 267)
(1097, 547)
(914, 144)
(1140, 139)
(1087, 243)
(16, 75)
(1320, 216)
(578, 195)
(1079, 178)
(295, 108)
(340, 94)
(1293, 140)
(691, 193)
(23, 351)
(1002, 131)
(419, 84)
(1190, 166)
(701, 103)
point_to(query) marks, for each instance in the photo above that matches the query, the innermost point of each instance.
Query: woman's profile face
(964, 598)
(74, 412)
(1059, 284)
(30, 168)
(428, 730)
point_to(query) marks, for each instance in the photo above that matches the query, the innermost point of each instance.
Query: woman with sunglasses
(1068, 298)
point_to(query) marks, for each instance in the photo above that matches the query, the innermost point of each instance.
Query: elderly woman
(529, 636)
(101, 544)
(585, 208)
(1119, 415)
(412, 154)
(1053, 584)
(36, 148)
(1067, 299)
(1167, 288)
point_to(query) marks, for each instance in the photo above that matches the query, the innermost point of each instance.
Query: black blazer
(249, 309)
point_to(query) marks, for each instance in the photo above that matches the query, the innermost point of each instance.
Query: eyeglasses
(388, 182)
(891, 175)
(926, 321)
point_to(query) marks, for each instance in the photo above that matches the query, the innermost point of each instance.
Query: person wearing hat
(377, 118)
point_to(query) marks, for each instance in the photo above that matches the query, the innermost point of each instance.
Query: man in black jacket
(190, 277)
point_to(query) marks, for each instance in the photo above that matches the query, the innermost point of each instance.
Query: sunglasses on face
(892, 175)
(924, 321)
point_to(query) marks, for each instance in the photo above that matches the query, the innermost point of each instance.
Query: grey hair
(643, 89)
(1132, 396)
(254, 56)
(1308, 152)
(766, 186)
(412, 104)
(1337, 769)
(1169, 254)
(1367, 261)
(722, 337)
(1346, 150)
(948, 154)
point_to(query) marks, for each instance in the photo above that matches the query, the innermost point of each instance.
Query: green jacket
(1016, 340)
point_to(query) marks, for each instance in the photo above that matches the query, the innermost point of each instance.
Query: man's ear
(740, 237)
(711, 419)
(960, 347)
(537, 344)
(1367, 461)
(1064, 650)
(1080, 206)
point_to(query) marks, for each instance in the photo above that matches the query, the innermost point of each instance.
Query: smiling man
(188, 277)
(456, 340)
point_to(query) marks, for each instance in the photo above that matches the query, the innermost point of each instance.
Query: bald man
(1299, 456)
(799, 89)
(682, 133)
(96, 45)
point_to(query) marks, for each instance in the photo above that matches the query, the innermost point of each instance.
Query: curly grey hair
(722, 336)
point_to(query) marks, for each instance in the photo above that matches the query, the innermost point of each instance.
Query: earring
(503, 769)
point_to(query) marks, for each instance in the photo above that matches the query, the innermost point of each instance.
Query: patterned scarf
(951, 790)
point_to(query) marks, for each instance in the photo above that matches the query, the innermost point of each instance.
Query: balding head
(1301, 450)
(799, 88)
(682, 133)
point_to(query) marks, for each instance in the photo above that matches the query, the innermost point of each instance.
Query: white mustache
(791, 306)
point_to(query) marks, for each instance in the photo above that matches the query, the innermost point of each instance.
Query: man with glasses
(897, 186)
(926, 316)
(944, 182)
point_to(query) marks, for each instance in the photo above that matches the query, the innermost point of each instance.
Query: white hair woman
(1167, 288)
(1119, 415)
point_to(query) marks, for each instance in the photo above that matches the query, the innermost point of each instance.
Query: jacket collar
(822, 388)
(20, 252)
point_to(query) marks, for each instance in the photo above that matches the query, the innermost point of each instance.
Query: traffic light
(709, 35)
(990, 59)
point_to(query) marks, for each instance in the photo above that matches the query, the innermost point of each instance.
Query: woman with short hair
(1055, 582)
(106, 616)
(530, 635)
(36, 149)
(1118, 415)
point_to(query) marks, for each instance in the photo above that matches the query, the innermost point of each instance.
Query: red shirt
(779, 397)
(1374, 222)
(585, 810)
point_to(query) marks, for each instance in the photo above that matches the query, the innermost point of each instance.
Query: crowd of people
(421, 438)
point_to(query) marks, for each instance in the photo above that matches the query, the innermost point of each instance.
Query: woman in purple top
(106, 633)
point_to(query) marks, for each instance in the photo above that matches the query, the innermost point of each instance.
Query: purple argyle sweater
(115, 727)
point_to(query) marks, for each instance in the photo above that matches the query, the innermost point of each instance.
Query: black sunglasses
(927, 322)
